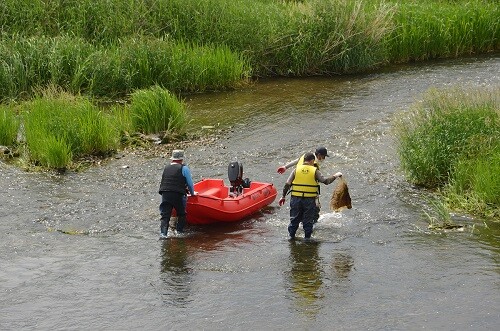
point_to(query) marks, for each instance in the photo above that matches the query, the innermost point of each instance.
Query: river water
(80, 251)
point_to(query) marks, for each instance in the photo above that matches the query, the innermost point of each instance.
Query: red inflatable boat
(215, 202)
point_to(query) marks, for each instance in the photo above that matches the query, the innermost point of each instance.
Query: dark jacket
(172, 179)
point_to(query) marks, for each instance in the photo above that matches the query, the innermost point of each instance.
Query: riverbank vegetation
(450, 142)
(9, 126)
(60, 129)
(107, 49)
(139, 57)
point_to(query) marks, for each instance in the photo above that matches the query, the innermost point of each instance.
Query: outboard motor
(235, 174)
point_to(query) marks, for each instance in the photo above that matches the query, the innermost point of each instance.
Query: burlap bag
(340, 198)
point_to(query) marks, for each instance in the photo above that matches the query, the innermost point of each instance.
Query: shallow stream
(80, 251)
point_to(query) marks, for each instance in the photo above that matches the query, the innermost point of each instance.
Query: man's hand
(338, 174)
(281, 170)
(282, 201)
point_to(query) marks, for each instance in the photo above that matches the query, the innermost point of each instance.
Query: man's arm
(320, 178)
(286, 188)
(291, 163)
(189, 179)
(282, 169)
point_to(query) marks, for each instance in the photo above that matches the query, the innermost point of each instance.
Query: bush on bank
(59, 129)
(451, 141)
(156, 110)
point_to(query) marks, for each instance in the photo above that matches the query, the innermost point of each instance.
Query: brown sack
(340, 198)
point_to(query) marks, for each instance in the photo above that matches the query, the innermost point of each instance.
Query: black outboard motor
(235, 174)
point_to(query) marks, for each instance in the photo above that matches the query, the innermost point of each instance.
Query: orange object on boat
(216, 202)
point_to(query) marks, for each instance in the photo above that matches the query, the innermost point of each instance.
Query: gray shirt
(319, 177)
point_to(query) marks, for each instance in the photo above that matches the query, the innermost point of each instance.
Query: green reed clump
(178, 66)
(336, 36)
(444, 129)
(475, 183)
(248, 28)
(278, 38)
(31, 63)
(100, 21)
(438, 215)
(52, 152)
(13, 80)
(122, 120)
(287, 38)
(156, 110)
(451, 141)
(115, 70)
(9, 126)
(439, 29)
(61, 127)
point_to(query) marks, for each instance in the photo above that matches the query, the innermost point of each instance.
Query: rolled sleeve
(320, 178)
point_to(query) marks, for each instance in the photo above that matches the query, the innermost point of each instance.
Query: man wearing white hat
(175, 181)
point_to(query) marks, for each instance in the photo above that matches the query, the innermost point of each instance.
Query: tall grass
(440, 29)
(61, 127)
(287, 38)
(446, 126)
(156, 110)
(27, 64)
(475, 183)
(100, 21)
(140, 63)
(331, 37)
(451, 141)
(110, 48)
(122, 120)
(9, 126)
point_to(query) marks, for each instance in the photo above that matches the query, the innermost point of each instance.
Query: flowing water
(80, 251)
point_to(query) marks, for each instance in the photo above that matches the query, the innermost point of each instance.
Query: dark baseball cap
(321, 151)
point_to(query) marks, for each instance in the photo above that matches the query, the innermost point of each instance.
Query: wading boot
(181, 222)
(164, 228)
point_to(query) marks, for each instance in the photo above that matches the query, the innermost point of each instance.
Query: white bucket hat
(177, 154)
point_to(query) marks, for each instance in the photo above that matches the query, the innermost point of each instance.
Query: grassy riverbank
(450, 142)
(59, 130)
(108, 49)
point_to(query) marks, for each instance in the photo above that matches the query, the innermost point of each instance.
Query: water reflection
(342, 265)
(305, 276)
(179, 256)
(176, 273)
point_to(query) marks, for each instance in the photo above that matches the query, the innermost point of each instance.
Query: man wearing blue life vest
(175, 181)
(320, 155)
(303, 183)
